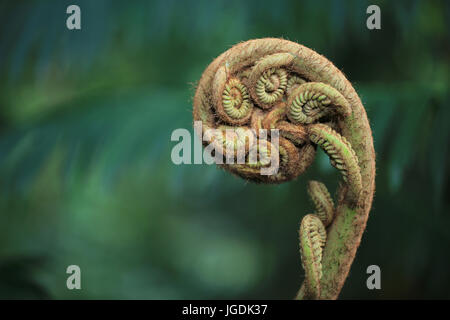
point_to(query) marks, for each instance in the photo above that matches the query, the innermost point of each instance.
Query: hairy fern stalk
(278, 84)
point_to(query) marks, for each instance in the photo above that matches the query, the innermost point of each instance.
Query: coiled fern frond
(278, 84)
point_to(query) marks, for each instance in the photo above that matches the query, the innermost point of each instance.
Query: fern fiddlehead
(236, 106)
(322, 201)
(278, 84)
(312, 240)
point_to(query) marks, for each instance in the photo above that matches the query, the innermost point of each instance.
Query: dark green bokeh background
(85, 170)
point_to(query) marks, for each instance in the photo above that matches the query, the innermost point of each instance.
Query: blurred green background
(85, 170)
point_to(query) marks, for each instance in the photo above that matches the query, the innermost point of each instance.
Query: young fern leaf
(341, 155)
(278, 84)
(312, 240)
(313, 100)
(313, 237)
(236, 106)
(322, 201)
